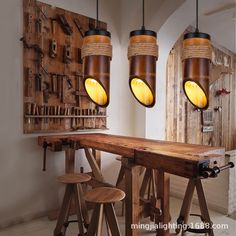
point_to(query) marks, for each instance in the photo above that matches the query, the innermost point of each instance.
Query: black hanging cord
(143, 27)
(97, 16)
(197, 29)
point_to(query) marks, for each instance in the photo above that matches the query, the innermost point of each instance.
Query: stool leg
(203, 205)
(78, 210)
(67, 217)
(108, 228)
(111, 219)
(94, 221)
(84, 209)
(100, 220)
(63, 210)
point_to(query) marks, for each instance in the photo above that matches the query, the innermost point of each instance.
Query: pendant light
(197, 55)
(142, 55)
(97, 54)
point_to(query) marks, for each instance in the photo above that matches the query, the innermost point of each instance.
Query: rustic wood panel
(54, 97)
(184, 122)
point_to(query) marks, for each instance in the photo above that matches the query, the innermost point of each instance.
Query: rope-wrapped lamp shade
(143, 54)
(97, 54)
(197, 53)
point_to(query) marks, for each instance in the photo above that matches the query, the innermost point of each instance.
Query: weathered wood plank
(224, 120)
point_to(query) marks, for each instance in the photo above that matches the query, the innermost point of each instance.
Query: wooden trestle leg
(186, 206)
(162, 189)
(132, 197)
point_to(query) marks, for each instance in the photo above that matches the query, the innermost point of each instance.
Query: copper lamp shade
(197, 54)
(97, 54)
(142, 55)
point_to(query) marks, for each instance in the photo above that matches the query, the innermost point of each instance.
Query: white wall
(26, 191)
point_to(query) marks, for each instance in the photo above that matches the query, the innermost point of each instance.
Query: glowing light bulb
(141, 91)
(195, 94)
(96, 91)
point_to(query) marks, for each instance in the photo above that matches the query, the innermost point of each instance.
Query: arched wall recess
(184, 123)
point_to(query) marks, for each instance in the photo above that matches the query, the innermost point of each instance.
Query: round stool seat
(73, 178)
(104, 195)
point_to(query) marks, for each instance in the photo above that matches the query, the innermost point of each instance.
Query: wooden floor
(43, 227)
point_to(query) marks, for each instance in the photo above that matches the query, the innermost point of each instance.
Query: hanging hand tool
(67, 29)
(58, 114)
(28, 80)
(67, 54)
(80, 60)
(79, 27)
(72, 122)
(76, 93)
(28, 108)
(38, 82)
(45, 146)
(32, 46)
(61, 85)
(91, 23)
(69, 82)
(38, 24)
(60, 89)
(45, 91)
(33, 109)
(42, 12)
(53, 25)
(58, 85)
(54, 84)
(51, 114)
(53, 49)
(55, 113)
(41, 22)
(47, 112)
(41, 113)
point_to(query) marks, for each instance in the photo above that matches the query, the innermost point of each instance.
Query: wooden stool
(186, 206)
(73, 191)
(104, 197)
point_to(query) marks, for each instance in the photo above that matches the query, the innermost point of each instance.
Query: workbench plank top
(176, 158)
(128, 145)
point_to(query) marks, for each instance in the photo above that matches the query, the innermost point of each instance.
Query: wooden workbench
(180, 159)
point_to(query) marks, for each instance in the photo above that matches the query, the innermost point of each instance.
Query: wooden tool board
(54, 96)
(217, 125)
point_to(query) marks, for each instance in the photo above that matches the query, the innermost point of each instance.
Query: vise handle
(213, 172)
(45, 146)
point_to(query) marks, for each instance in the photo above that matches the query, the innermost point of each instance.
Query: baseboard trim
(21, 219)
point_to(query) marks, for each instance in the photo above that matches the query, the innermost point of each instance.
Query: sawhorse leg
(163, 189)
(186, 206)
(132, 199)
